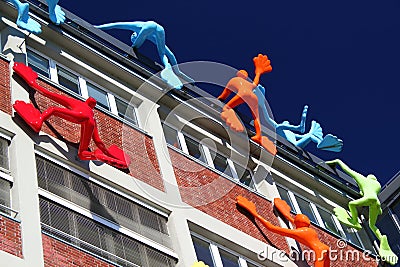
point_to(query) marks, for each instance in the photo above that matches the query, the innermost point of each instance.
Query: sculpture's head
(372, 177)
(301, 220)
(91, 102)
(242, 74)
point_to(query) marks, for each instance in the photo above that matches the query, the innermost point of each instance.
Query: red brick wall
(5, 90)
(201, 184)
(10, 236)
(140, 147)
(59, 254)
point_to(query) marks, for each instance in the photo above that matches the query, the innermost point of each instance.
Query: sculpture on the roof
(244, 94)
(369, 190)
(57, 16)
(75, 111)
(286, 130)
(302, 233)
(152, 31)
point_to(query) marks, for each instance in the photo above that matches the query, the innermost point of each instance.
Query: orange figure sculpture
(244, 93)
(303, 233)
(75, 111)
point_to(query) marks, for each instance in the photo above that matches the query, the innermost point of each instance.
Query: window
(109, 205)
(195, 149)
(98, 94)
(68, 80)
(244, 175)
(5, 188)
(4, 155)
(98, 239)
(306, 209)
(38, 63)
(285, 196)
(214, 255)
(126, 111)
(221, 163)
(328, 220)
(171, 136)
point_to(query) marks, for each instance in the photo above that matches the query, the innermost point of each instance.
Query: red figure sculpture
(76, 111)
(303, 233)
(244, 93)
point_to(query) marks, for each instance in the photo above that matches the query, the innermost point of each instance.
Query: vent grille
(100, 240)
(104, 203)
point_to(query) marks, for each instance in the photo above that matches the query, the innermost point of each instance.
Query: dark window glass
(228, 259)
(396, 209)
(38, 64)
(285, 196)
(351, 235)
(3, 154)
(328, 221)
(171, 136)
(99, 95)
(388, 227)
(245, 176)
(203, 252)
(195, 149)
(5, 188)
(306, 209)
(68, 80)
(126, 111)
(221, 163)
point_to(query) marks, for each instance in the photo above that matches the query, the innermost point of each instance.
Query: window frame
(216, 256)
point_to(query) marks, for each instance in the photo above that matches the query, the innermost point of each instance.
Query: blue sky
(341, 58)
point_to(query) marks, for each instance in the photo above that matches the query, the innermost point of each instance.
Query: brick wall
(10, 236)
(140, 147)
(59, 254)
(5, 90)
(201, 184)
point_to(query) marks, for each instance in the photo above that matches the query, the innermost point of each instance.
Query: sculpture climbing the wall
(287, 130)
(369, 190)
(244, 94)
(199, 264)
(57, 16)
(152, 31)
(75, 111)
(302, 233)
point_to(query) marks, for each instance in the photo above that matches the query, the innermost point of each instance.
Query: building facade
(177, 202)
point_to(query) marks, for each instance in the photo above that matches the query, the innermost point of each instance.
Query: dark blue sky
(341, 58)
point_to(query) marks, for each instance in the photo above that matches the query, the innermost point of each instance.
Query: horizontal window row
(325, 219)
(98, 239)
(109, 205)
(81, 86)
(215, 255)
(201, 152)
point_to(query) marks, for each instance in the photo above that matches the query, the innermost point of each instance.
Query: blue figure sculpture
(286, 130)
(57, 16)
(150, 30)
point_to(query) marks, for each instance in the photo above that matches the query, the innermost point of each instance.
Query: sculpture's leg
(386, 253)
(57, 16)
(87, 129)
(23, 20)
(229, 115)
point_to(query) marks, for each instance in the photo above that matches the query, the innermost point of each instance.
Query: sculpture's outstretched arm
(131, 26)
(357, 176)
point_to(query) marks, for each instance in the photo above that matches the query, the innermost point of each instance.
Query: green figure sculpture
(369, 190)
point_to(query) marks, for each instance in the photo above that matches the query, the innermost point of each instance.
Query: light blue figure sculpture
(57, 16)
(150, 30)
(286, 130)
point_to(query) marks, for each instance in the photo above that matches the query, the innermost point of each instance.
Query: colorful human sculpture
(152, 31)
(287, 130)
(75, 111)
(244, 94)
(303, 233)
(57, 16)
(369, 190)
(199, 264)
